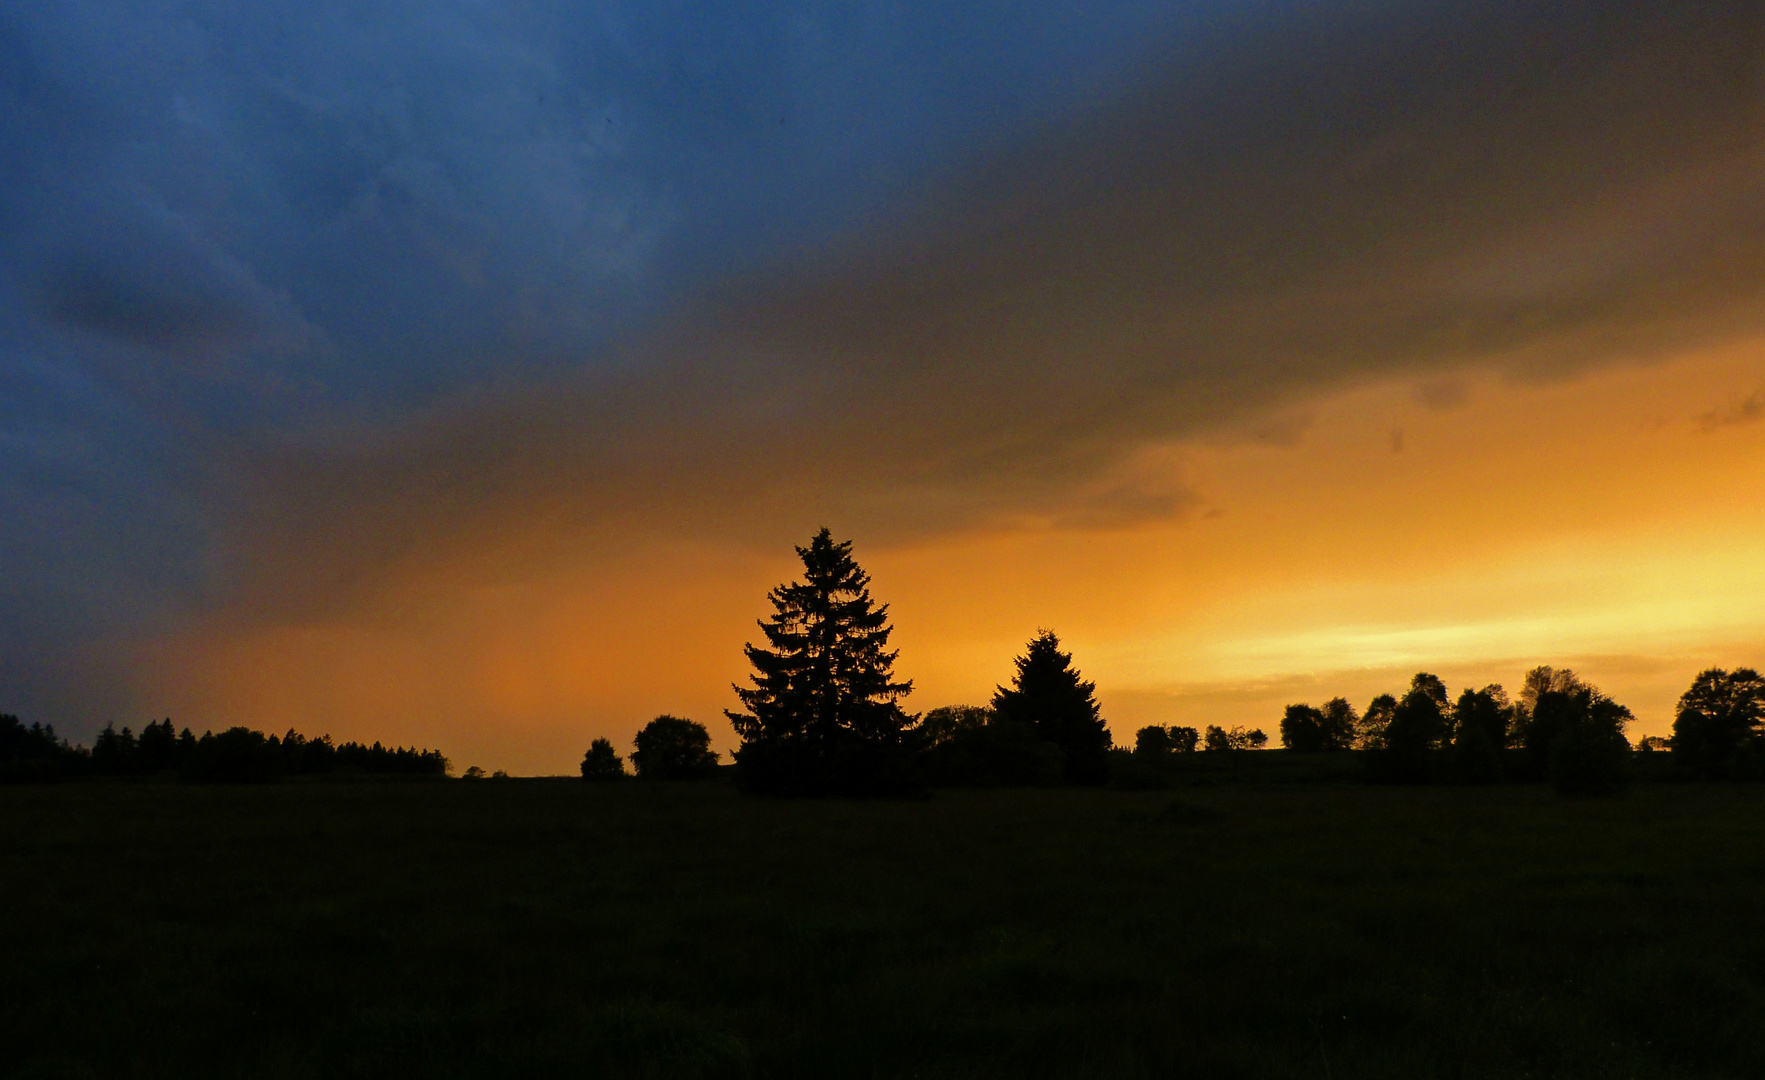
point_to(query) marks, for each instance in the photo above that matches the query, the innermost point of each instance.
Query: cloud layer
(1277, 213)
(306, 303)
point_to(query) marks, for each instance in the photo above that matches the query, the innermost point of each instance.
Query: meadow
(553, 928)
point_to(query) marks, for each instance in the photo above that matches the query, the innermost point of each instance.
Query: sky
(463, 373)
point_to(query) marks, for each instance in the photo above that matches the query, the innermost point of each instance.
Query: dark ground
(555, 928)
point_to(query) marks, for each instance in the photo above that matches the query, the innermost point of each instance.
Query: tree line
(237, 754)
(1561, 729)
(823, 714)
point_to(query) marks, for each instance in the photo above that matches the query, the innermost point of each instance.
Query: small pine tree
(1049, 694)
(602, 762)
(823, 715)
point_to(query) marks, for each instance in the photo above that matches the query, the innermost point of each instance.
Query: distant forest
(822, 715)
(238, 754)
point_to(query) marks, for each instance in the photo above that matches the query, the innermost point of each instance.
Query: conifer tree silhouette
(1048, 693)
(823, 714)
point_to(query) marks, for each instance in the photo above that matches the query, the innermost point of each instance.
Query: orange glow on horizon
(1596, 522)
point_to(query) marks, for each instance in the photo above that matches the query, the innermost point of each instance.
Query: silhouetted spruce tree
(1049, 694)
(160, 748)
(672, 748)
(115, 753)
(1719, 727)
(823, 715)
(602, 762)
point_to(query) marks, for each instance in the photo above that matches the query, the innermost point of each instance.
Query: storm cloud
(303, 299)
(1279, 212)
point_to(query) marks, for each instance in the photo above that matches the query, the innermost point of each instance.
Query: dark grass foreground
(554, 928)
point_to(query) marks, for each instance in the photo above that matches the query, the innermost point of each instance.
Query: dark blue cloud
(222, 225)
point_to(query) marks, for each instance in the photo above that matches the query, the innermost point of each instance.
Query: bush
(1003, 753)
(853, 769)
(673, 748)
(602, 763)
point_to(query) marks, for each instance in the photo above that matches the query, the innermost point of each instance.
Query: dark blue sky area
(222, 220)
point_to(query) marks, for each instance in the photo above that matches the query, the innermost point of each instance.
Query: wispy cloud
(1746, 410)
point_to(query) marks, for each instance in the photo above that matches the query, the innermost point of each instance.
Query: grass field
(555, 928)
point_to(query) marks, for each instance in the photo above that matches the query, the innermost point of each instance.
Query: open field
(555, 928)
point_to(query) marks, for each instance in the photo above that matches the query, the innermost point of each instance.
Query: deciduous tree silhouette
(1048, 694)
(1480, 729)
(602, 762)
(1161, 739)
(1219, 738)
(1369, 733)
(670, 748)
(945, 722)
(1417, 729)
(1310, 730)
(1527, 731)
(1340, 723)
(1302, 729)
(1719, 727)
(823, 715)
(1589, 754)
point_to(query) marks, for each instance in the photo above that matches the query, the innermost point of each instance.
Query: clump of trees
(1311, 730)
(36, 753)
(973, 746)
(1160, 740)
(1219, 739)
(1046, 728)
(1561, 729)
(666, 748)
(237, 754)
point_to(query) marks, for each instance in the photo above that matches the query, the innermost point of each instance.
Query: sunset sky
(462, 373)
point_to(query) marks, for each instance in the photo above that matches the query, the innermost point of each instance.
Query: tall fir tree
(1049, 693)
(823, 714)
